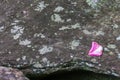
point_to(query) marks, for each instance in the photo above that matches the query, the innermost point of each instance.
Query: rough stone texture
(11, 74)
(43, 36)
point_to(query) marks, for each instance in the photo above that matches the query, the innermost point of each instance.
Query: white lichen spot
(106, 49)
(99, 64)
(115, 26)
(25, 42)
(118, 38)
(34, 70)
(41, 6)
(45, 49)
(16, 36)
(58, 9)
(71, 11)
(68, 20)
(99, 33)
(111, 53)
(44, 60)
(74, 44)
(31, 61)
(18, 59)
(24, 63)
(74, 3)
(108, 72)
(96, 33)
(33, 49)
(112, 46)
(37, 57)
(115, 74)
(15, 22)
(92, 3)
(81, 37)
(31, 5)
(87, 32)
(37, 65)
(23, 58)
(9, 52)
(64, 28)
(119, 56)
(56, 18)
(2, 28)
(39, 35)
(17, 31)
(18, 66)
(89, 65)
(71, 56)
(93, 60)
(42, 36)
(75, 26)
(55, 34)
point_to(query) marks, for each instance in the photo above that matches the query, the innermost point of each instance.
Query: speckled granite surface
(45, 36)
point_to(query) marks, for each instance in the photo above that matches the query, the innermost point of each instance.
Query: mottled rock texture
(11, 74)
(44, 36)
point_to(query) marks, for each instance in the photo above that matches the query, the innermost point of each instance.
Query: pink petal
(96, 49)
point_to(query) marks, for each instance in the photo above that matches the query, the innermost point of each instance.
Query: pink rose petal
(96, 49)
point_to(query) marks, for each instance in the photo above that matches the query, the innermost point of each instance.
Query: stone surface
(11, 74)
(39, 36)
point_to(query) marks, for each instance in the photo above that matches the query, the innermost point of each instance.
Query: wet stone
(44, 36)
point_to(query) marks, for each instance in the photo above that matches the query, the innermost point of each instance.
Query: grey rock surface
(11, 74)
(44, 36)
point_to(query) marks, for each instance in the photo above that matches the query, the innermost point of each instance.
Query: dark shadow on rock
(73, 75)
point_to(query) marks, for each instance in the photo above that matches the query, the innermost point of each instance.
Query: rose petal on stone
(96, 49)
